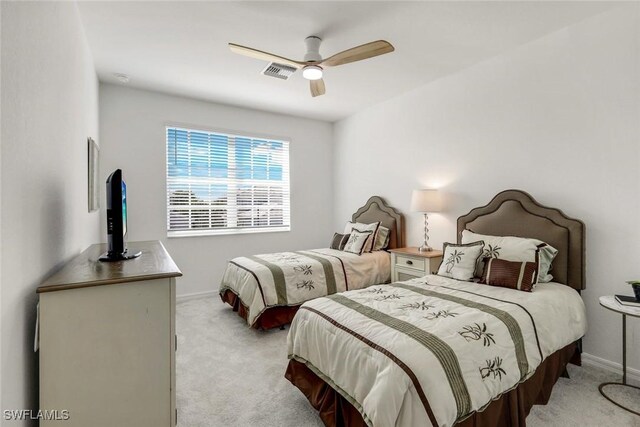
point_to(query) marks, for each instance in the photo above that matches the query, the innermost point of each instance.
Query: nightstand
(409, 263)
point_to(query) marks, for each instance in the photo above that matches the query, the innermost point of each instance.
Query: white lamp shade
(425, 201)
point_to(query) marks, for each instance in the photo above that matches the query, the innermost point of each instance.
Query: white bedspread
(291, 278)
(433, 350)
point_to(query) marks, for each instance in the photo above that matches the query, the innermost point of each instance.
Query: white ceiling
(181, 47)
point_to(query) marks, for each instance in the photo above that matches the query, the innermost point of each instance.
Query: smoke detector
(279, 71)
(122, 78)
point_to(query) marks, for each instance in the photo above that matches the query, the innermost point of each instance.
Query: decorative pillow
(356, 241)
(545, 259)
(520, 275)
(512, 248)
(363, 227)
(459, 261)
(339, 240)
(381, 241)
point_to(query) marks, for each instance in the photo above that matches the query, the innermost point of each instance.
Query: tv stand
(113, 257)
(107, 340)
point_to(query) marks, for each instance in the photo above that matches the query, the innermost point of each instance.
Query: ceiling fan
(313, 64)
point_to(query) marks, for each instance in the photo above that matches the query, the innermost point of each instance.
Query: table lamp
(425, 201)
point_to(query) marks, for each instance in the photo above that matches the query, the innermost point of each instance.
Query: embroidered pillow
(459, 261)
(512, 248)
(373, 227)
(381, 241)
(339, 240)
(520, 275)
(357, 241)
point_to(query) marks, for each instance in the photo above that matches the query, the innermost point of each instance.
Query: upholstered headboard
(376, 209)
(516, 213)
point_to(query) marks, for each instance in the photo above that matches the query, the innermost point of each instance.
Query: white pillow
(459, 261)
(357, 241)
(363, 227)
(512, 248)
(381, 241)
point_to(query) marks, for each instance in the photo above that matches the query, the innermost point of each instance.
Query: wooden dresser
(107, 340)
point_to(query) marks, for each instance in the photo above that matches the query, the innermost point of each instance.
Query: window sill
(225, 232)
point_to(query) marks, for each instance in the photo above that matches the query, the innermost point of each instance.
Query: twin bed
(267, 290)
(442, 352)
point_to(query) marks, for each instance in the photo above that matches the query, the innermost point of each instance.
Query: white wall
(558, 117)
(1, 406)
(49, 108)
(132, 131)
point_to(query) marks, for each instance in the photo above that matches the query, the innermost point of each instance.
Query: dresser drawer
(410, 262)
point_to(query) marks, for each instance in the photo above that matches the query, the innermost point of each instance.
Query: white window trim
(227, 230)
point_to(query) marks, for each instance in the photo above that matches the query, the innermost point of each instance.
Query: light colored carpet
(230, 375)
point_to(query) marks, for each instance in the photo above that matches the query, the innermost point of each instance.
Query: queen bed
(267, 290)
(442, 352)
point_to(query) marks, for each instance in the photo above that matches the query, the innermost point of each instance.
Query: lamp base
(425, 248)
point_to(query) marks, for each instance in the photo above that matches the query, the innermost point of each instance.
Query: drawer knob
(409, 262)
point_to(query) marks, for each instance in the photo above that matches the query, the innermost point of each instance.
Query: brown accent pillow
(520, 275)
(339, 240)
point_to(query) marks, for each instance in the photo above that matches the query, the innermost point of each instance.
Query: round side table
(609, 302)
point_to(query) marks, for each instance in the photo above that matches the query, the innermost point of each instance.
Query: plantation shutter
(220, 183)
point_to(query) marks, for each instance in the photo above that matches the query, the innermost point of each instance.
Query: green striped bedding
(432, 351)
(291, 278)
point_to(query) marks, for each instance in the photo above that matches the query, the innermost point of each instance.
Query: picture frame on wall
(93, 163)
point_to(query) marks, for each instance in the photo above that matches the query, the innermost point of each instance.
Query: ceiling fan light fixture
(312, 72)
(313, 63)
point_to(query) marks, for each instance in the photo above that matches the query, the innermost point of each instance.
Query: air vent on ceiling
(279, 71)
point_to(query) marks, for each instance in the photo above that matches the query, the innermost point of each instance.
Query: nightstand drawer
(403, 274)
(410, 262)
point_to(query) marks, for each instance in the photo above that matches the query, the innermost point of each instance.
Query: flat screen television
(117, 220)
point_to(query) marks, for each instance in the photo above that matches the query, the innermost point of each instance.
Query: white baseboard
(633, 375)
(187, 297)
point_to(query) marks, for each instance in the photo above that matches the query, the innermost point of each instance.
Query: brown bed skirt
(509, 410)
(270, 318)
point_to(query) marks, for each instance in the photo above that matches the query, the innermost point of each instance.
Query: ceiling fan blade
(368, 50)
(265, 56)
(317, 87)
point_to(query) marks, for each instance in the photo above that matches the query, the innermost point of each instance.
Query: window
(220, 183)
